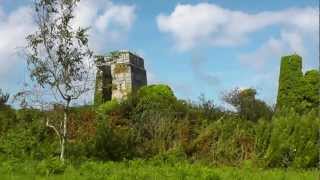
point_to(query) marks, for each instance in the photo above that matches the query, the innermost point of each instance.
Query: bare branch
(54, 128)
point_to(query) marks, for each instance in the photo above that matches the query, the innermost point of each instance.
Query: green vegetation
(55, 54)
(152, 134)
(311, 90)
(298, 91)
(139, 169)
(290, 82)
(247, 105)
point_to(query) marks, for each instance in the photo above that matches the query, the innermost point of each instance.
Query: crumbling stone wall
(119, 74)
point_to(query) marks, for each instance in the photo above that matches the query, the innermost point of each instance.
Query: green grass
(140, 170)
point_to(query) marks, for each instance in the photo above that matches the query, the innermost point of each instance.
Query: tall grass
(140, 169)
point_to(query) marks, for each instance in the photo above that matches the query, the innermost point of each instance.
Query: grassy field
(141, 170)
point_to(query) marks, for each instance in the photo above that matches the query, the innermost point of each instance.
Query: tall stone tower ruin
(119, 74)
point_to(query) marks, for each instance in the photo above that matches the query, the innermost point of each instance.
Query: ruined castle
(118, 74)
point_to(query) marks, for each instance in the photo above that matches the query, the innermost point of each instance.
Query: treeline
(154, 124)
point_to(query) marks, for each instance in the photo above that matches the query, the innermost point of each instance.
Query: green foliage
(156, 91)
(114, 54)
(7, 118)
(155, 119)
(4, 97)
(227, 141)
(140, 169)
(61, 66)
(263, 131)
(50, 167)
(159, 98)
(108, 107)
(27, 141)
(295, 90)
(172, 156)
(294, 141)
(56, 52)
(153, 124)
(29, 115)
(290, 90)
(248, 107)
(114, 138)
(312, 89)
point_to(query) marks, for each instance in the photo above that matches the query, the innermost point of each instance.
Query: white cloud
(273, 49)
(13, 29)
(108, 22)
(204, 23)
(288, 43)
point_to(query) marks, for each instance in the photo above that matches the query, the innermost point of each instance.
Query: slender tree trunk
(64, 134)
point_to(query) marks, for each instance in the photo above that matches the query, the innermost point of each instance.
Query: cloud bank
(192, 25)
(108, 23)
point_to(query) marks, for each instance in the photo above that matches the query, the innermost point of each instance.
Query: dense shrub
(114, 137)
(311, 90)
(153, 124)
(294, 141)
(227, 141)
(262, 130)
(28, 141)
(155, 97)
(50, 167)
(143, 125)
(7, 118)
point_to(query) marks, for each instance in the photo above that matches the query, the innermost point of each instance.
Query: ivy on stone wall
(296, 90)
(312, 89)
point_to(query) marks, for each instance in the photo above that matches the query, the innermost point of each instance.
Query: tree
(4, 97)
(56, 54)
(7, 114)
(247, 105)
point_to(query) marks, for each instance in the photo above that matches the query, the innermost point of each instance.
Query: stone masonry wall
(122, 74)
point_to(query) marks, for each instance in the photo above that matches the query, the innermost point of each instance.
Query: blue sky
(196, 47)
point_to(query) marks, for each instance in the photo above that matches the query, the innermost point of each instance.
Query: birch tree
(56, 56)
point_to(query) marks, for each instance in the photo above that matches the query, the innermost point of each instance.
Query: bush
(262, 130)
(7, 118)
(247, 106)
(114, 137)
(108, 107)
(228, 141)
(155, 97)
(171, 157)
(50, 167)
(293, 141)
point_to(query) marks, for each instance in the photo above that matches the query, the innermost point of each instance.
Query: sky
(196, 47)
